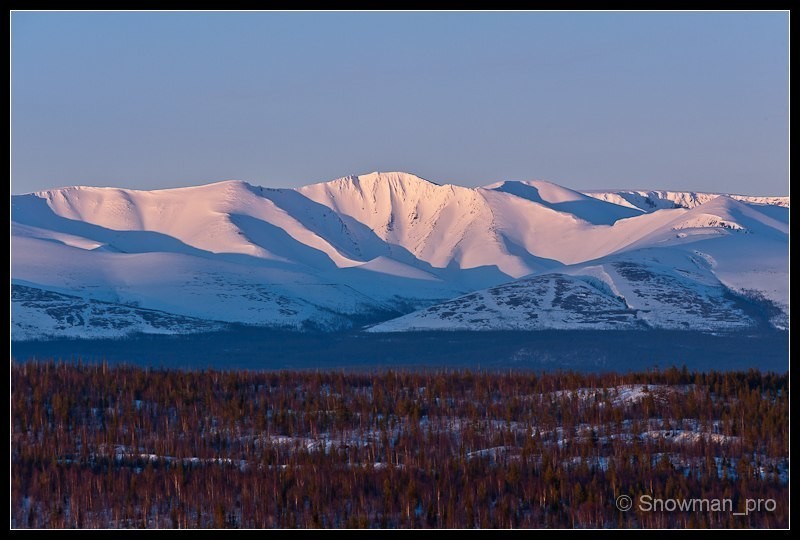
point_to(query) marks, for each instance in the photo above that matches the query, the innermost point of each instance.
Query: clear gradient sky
(683, 101)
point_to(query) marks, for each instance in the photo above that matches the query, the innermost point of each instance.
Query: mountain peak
(649, 201)
(398, 175)
(380, 242)
(45, 193)
(394, 178)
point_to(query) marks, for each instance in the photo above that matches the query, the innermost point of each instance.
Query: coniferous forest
(126, 447)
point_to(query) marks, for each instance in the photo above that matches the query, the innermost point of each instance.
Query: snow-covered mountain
(368, 248)
(649, 288)
(652, 200)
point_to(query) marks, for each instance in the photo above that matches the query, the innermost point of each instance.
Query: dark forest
(126, 447)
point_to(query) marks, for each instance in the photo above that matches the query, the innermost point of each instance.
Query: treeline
(100, 446)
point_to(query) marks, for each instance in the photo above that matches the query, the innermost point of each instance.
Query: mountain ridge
(327, 253)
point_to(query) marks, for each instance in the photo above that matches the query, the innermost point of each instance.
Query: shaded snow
(385, 243)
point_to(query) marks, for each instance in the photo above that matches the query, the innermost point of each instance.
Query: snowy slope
(441, 225)
(649, 201)
(542, 302)
(200, 287)
(652, 288)
(368, 247)
(40, 313)
(720, 265)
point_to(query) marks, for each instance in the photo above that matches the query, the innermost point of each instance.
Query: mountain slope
(40, 314)
(649, 201)
(719, 265)
(366, 248)
(651, 288)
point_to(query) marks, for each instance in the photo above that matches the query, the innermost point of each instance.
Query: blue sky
(587, 100)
